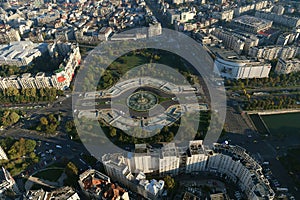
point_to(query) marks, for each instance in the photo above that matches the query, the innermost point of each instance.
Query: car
(58, 146)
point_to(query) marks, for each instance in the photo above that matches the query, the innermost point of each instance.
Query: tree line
(28, 95)
(273, 102)
(275, 80)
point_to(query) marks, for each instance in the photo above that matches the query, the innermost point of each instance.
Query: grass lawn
(49, 174)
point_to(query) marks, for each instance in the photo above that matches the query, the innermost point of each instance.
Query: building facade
(60, 79)
(251, 24)
(231, 161)
(273, 52)
(287, 66)
(284, 20)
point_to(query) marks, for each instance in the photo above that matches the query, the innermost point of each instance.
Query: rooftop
(252, 21)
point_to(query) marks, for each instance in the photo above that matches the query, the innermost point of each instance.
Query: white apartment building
(143, 160)
(116, 167)
(256, 6)
(279, 19)
(235, 40)
(232, 66)
(169, 160)
(104, 33)
(180, 15)
(21, 53)
(287, 66)
(60, 79)
(273, 52)
(231, 161)
(226, 15)
(196, 158)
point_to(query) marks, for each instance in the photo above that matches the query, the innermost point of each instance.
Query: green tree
(113, 132)
(169, 182)
(30, 145)
(71, 169)
(44, 121)
(69, 126)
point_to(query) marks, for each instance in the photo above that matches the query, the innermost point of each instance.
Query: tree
(69, 126)
(30, 145)
(71, 169)
(13, 117)
(44, 121)
(169, 182)
(113, 132)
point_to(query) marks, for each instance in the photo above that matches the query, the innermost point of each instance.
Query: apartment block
(284, 20)
(285, 66)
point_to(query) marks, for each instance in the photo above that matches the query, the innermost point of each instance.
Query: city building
(196, 157)
(60, 78)
(238, 41)
(3, 155)
(7, 182)
(183, 15)
(65, 193)
(222, 159)
(232, 66)
(10, 35)
(287, 38)
(284, 20)
(155, 29)
(96, 185)
(123, 169)
(251, 24)
(48, 17)
(250, 7)
(226, 15)
(273, 52)
(21, 53)
(104, 33)
(285, 66)
(279, 10)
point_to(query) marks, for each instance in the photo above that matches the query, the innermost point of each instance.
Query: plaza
(142, 101)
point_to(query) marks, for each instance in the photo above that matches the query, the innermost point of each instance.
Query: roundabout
(142, 101)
